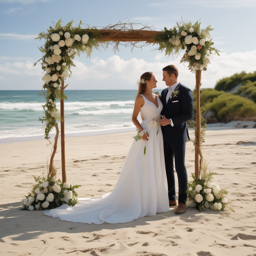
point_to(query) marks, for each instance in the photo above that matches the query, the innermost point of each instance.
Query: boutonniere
(174, 94)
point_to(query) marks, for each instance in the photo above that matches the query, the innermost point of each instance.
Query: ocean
(87, 112)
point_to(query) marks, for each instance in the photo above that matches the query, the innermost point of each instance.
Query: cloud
(229, 4)
(12, 10)
(17, 36)
(145, 18)
(117, 73)
(24, 1)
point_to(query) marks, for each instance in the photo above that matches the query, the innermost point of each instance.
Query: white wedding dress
(141, 189)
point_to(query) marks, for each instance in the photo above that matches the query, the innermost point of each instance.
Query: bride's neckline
(157, 106)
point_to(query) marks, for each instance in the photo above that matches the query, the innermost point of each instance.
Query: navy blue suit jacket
(180, 110)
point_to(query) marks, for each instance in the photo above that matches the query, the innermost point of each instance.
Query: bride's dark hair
(143, 86)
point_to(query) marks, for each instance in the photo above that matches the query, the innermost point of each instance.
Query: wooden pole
(62, 130)
(198, 124)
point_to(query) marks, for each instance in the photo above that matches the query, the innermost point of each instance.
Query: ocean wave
(104, 112)
(68, 105)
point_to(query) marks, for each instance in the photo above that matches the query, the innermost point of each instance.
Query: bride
(141, 189)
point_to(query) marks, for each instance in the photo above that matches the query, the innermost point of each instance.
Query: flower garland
(195, 41)
(61, 45)
(204, 194)
(48, 194)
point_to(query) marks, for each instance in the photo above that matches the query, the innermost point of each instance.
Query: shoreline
(213, 126)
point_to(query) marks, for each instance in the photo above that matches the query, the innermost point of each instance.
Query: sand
(95, 163)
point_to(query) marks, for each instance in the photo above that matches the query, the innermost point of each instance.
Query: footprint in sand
(145, 244)
(65, 238)
(132, 244)
(146, 233)
(204, 253)
(189, 230)
(144, 253)
(243, 237)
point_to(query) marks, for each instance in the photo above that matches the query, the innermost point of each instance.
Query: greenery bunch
(204, 194)
(190, 37)
(62, 43)
(49, 193)
(248, 90)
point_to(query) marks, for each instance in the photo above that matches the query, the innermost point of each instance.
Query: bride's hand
(145, 136)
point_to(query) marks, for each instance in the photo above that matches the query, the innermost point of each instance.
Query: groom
(177, 110)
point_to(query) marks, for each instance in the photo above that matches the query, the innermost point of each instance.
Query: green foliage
(248, 90)
(227, 83)
(227, 106)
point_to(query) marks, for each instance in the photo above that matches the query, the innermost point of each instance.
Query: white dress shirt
(170, 91)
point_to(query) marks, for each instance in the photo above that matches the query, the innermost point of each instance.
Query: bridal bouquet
(49, 193)
(203, 193)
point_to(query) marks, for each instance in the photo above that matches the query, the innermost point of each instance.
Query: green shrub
(248, 90)
(227, 83)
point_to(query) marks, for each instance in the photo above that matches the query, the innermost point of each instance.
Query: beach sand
(95, 163)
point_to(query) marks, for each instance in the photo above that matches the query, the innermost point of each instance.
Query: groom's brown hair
(171, 69)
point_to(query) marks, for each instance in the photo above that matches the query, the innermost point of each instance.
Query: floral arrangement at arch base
(49, 193)
(204, 194)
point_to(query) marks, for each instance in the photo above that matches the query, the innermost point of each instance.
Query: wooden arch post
(198, 125)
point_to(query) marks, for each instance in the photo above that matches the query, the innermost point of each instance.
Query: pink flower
(199, 47)
(194, 63)
(186, 55)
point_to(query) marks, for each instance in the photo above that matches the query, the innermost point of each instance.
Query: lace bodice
(150, 111)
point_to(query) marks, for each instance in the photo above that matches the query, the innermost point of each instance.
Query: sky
(22, 20)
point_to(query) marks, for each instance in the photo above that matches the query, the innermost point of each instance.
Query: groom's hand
(164, 121)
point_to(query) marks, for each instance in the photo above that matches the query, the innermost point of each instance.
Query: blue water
(85, 110)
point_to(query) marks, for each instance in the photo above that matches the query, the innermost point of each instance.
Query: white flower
(41, 197)
(188, 39)
(37, 206)
(191, 30)
(45, 190)
(67, 35)
(77, 37)
(62, 43)
(194, 48)
(45, 204)
(215, 187)
(190, 203)
(66, 200)
(32, 194)
(190, 189)
(38, 191)
(54, 114)
(58, 68)
(206, 205)
(48, 70)
(64, 74)
(217, 206)
(192, 53)
(47, 78)
(31, 199)
(177, 42)
(68, 195)
(56, 58)
(55, 85)
(85, 39)
(24, 201)
(206, 62)
(224, 200)
(216, 192)
(198, 188)
(31, 208)
(153, 123)
(84, 47)
(57, 51)
(195, 40)
(50, 100)
(207, 190)
(46, 183)
(183, 33)
(209, 184)
(205, 33)
(69, 42)
(66, 185)
(61, 33)
(55, 37)
(209, 197)
(199, 198)
(56, 188)
(64, 64)
(202, 42)
(198, 56)
(54, 77)
(56, 46)
(49, 60)
(50, 197)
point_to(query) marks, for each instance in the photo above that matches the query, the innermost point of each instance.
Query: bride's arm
(139, 103)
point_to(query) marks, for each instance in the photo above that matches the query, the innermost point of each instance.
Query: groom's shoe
(180, 209)
(172, 203)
